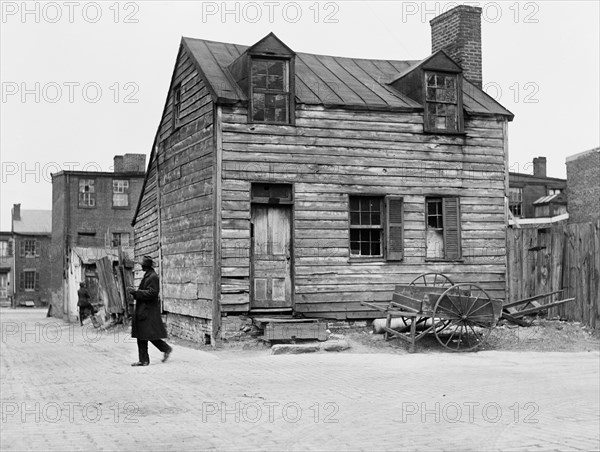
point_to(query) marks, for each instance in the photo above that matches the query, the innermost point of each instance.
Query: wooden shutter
(451, 212)
(37, 248)
(394, 228)
(10, 248)
(22, 248)
(22, 281)
(37, 281)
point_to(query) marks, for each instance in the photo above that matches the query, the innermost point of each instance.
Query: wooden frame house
(299, 183)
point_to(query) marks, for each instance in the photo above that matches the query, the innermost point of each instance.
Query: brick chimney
(539, 166)
(130, 163)
(458, 33)
(16, 213)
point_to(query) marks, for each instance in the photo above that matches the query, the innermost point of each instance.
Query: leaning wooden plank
(515, 320)
(525, 312)
(526, 300)
(375, 306)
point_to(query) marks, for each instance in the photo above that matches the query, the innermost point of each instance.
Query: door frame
(274, 202)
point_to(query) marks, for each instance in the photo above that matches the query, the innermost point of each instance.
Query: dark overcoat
(147, 323)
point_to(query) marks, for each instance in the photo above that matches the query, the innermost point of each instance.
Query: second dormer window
(270, 96)
(443, 106)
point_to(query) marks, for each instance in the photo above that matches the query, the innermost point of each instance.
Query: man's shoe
(167, 354)
(139, 363)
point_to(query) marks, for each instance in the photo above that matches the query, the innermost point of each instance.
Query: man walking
(147, 323)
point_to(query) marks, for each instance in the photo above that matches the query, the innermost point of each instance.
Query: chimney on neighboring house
(130, 163)
(539, 166)
(458, 33)
(16, 213)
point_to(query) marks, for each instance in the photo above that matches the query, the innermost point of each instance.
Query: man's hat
(147, 262)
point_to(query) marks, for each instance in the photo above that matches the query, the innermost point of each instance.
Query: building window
(270, 92)
(87, 193)
(4, 248)
(120, 193)
(443, 106)
(29, 280)
(443, 228)
(515, 201)
(120, 239)
(554, 191)
(177, 106)
(29, 248)
(366, 226)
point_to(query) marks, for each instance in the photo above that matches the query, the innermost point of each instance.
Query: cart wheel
(432, 279)
(464, 317)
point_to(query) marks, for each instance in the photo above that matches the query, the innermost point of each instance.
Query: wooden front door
(271, 278)
(3, 286)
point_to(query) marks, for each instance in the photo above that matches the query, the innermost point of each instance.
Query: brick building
(91, 218)
(31, 231)
(526, 189)
(583, 186)
(7, 273)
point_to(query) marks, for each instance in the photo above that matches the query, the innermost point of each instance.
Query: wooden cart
(461, 316)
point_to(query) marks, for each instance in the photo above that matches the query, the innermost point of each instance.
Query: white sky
(540, 60)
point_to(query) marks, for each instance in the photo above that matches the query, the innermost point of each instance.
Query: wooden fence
(564, 256)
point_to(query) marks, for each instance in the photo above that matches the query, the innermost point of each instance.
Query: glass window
(87, 193)
(120, 193)
(515, 201)
(270, 91)
(442, 103)
(120, 239)
(28, 279)
(366, 225)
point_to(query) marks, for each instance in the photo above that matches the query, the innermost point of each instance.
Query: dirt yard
(542, 336)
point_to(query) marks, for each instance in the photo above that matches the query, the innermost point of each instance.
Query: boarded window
(366, 226)
(443, 227)
(270, 100)
(87, 193)
(120, 193)
(443, 108)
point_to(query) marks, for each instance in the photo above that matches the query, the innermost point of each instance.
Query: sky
(84, 81)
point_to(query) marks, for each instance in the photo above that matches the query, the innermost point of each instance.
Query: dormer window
(443, 105)
(270, 91)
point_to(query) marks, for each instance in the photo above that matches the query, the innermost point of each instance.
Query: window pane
(354, 218)
(376, 218)
(365, 218)
(258, 107)
(354, 203)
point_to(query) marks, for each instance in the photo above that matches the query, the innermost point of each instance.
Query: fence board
(563, 257)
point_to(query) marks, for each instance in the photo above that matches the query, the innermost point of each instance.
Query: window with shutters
(442, 216)
(29, 280)
(443, 105)
(366, 226)
(376, 227)
(29, 248)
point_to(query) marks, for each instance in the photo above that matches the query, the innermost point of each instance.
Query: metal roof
(329, 81)
(33, 222)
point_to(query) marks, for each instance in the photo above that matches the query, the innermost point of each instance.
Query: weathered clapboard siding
(331, 153)
(184, 159)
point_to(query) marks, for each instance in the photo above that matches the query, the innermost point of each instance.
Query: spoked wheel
(432, 279)
(464, 317)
